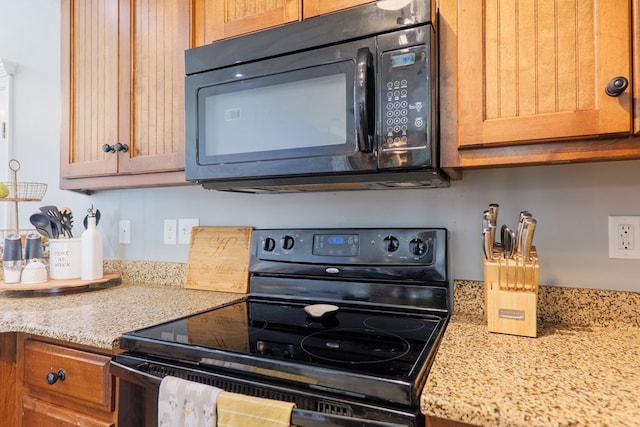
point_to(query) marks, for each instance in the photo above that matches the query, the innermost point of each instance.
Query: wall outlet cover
(624, 237)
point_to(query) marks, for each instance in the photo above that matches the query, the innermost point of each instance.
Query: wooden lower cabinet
(8, 403)
(63, 386)
(36, 412)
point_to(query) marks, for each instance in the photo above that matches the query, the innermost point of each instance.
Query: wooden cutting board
(219, 259)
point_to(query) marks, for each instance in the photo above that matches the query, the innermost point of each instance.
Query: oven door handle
(133, 375)
(299, 417)
(304, 418)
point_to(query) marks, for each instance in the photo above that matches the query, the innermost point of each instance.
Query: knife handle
(527, 237)
(519, 241)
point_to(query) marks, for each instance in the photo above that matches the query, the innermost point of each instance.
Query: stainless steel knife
(487, 242)
(518, 243)
(528, 230)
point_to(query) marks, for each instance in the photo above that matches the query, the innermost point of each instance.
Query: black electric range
(391, 299)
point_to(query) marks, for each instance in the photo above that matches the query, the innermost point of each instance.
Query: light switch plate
(124, 232)
(184, 229)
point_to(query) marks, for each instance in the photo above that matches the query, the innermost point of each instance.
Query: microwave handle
(364, 86)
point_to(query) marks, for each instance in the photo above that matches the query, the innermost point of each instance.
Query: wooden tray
(57, 286)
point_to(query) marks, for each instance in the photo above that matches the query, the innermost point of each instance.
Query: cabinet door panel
(221, 19)
(320, 7)
(154, 37)
(38, 413)
(537, 70)
(89, 87)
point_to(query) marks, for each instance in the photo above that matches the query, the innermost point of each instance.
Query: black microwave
(344, 101)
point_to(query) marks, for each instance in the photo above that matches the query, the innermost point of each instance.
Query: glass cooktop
(358, 340)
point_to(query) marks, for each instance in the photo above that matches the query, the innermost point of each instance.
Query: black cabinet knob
(616, 86)
(53, 377)
(115, 148)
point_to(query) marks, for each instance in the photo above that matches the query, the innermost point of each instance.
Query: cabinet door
(153, 38)
(38, 413)
(537, 70)
(220, 19)
(9, 405)
(89, 86)
(320, 7)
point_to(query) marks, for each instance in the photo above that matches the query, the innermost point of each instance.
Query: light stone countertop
(98, 317)
(581, 371)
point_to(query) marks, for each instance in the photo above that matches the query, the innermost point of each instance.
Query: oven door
(300, 114)
(139, 383)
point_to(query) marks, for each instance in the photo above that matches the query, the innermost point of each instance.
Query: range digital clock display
(336, 240)
(346, 245)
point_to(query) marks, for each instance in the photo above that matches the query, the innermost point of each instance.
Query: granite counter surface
(97, 318)
(575, 373)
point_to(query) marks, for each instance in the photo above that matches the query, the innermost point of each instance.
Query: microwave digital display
(403, 59)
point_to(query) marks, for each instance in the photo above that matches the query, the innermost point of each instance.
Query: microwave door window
(301, 113)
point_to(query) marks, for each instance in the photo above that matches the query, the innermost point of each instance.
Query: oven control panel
(396, 246)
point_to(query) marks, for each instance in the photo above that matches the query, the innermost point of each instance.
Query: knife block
(511, 294)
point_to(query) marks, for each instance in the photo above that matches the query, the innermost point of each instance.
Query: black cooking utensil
(84, 221)
(55, 217)
(43, 225)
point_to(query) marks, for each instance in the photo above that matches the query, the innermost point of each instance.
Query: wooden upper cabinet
(90, 70)
(154, 36)
(530, 71)
(123, 82)
(220, 19)
(523, 83)
(320, 7)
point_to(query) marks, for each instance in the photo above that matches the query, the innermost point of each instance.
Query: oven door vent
(250, 388)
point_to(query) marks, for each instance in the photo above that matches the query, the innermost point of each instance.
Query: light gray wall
(571, 202)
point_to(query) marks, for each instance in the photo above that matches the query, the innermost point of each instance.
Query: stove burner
(394, 324)
(355, 346)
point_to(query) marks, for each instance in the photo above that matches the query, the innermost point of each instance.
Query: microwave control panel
(405, 98)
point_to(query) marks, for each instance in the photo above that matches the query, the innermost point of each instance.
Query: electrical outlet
(170, 232)
(124, 232)
(184, 229)
(624, 236)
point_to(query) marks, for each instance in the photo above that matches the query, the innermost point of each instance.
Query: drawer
(86, 375)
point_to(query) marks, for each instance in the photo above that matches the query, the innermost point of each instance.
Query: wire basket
(23, 191)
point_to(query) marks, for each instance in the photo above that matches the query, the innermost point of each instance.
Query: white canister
(65, 258)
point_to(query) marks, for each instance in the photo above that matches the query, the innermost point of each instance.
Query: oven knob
(417, 247)
(287, 242)
(269, 244)
(391, 244)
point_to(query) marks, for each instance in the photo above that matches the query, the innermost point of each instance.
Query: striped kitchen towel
(238, 410)
(183, 403)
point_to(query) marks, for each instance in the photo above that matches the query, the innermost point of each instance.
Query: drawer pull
(53, 377)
